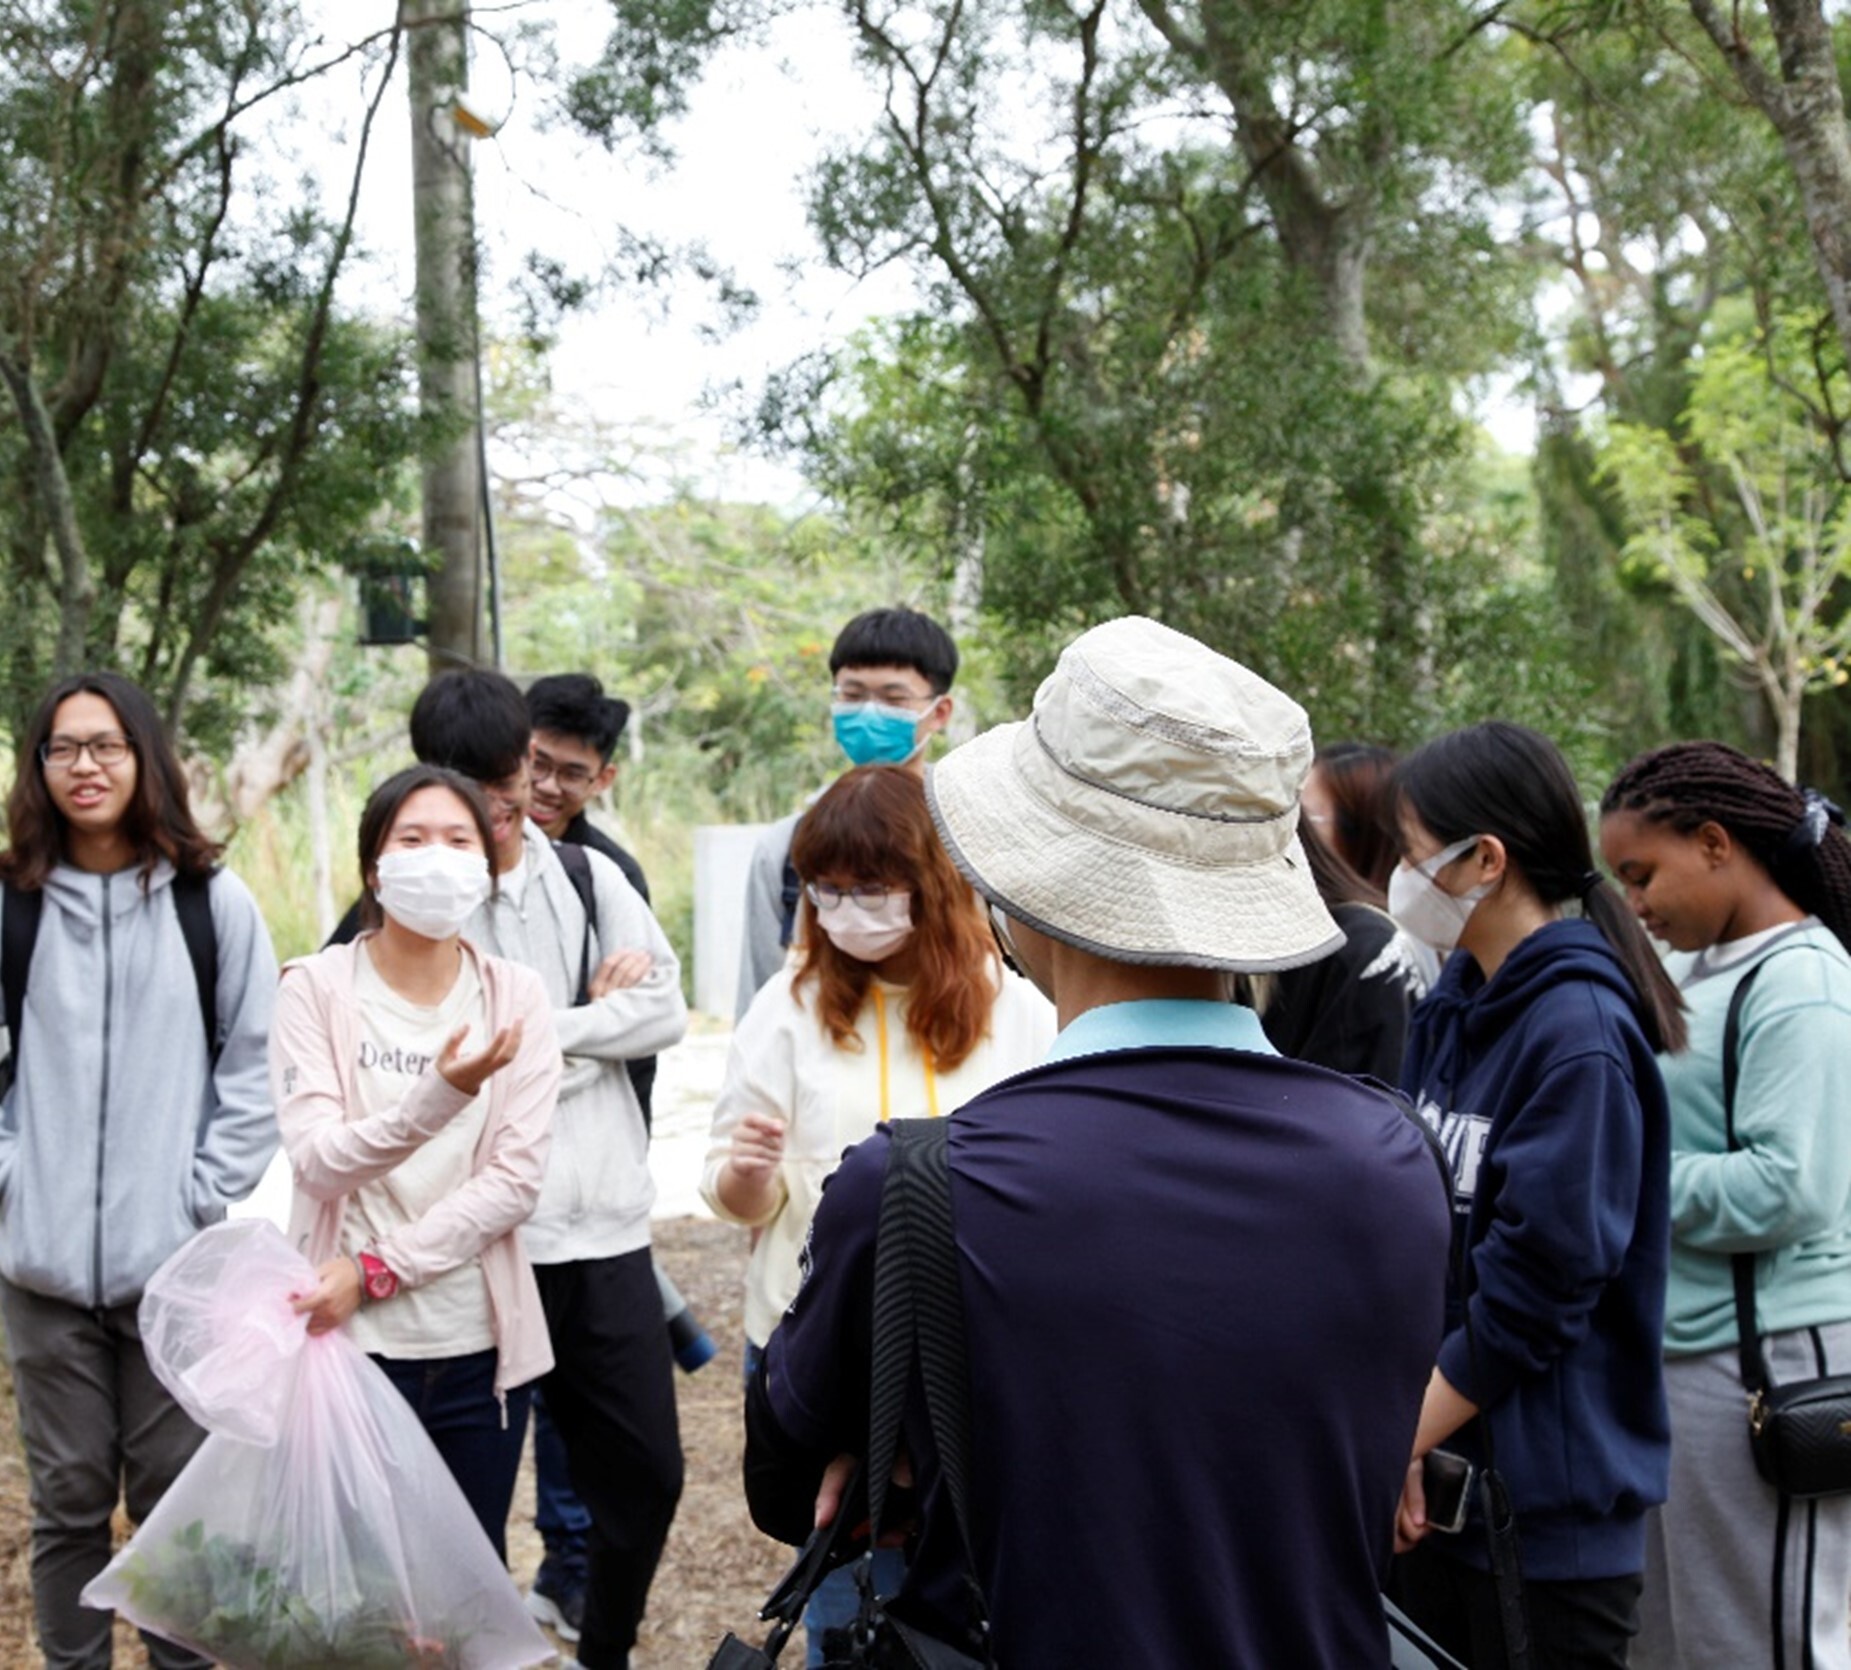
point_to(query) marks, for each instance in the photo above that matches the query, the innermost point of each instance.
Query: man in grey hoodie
(126, 1127)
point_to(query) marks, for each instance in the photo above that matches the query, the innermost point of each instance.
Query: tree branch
(229, 570)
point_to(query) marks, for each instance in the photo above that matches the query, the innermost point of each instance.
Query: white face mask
(432, 891)
(1424, 908)
(869, 933)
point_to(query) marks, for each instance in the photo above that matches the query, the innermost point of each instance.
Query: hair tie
(1817, 814)
(1588, 885)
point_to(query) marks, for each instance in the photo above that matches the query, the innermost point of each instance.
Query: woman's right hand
(335, 1296)
(1411, 1514)
(468, 1073)
(758, 1146)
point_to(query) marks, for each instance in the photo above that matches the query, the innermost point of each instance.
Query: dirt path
(717, 1568)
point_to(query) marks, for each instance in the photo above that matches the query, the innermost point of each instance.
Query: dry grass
(716, 1569)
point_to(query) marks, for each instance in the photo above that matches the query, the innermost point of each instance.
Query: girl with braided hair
(1534, 1058)
(1742, 875)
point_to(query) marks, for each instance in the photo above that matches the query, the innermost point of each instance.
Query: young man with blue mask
(892, 671)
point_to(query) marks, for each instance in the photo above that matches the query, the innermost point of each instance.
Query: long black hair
(1506, 780)
(1357, 776)
(381, 813)
(159, 820)
(1791, 835)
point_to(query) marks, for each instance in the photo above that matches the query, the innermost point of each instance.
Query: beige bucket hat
(1146, 811)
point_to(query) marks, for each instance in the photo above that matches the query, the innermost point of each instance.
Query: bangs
(870, 825)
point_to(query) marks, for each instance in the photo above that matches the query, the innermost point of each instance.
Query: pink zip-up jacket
(314, 1045)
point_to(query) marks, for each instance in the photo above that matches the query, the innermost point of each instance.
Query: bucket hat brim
(1119, 877)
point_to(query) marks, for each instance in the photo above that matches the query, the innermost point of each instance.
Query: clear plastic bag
(317, 1525)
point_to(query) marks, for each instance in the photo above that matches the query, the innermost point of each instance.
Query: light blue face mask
(871, 733)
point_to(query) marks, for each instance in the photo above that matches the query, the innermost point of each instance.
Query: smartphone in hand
(1447, 1481)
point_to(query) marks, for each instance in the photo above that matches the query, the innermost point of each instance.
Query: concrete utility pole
(437, 55)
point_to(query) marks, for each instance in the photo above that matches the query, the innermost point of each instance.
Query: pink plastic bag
(317, 1525)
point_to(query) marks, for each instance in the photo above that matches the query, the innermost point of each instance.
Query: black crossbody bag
(1800, 1432)
(918, 1319)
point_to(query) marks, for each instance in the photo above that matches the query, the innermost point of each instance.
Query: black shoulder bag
(918, 1319)
(1801, 1432)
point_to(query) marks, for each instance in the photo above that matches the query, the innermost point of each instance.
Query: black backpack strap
(19, 932)
(789, 892)
(577, 865)
(1741, 1265)
(193, 905)
(919, 1316)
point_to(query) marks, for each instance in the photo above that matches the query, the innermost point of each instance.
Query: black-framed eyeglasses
(60, 753)
(867, 895)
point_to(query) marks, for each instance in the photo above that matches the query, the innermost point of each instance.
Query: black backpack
(19, 932)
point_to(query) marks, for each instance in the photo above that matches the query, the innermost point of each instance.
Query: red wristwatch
(377, 1279)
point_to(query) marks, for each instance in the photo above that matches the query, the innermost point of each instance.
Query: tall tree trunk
(76, 585)
(1805, 103)
(437, 44)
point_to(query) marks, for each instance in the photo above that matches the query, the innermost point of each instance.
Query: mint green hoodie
(1786, 1195)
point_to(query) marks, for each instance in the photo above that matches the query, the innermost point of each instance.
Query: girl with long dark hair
(1348, 1011)
(1349, 804)
(1746, 879)
(896, 1007)
(1534, 1058)
(138, 1110)
(415, 1081)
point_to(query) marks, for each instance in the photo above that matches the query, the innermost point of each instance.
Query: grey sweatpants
(1710, 1551)
(96, 1425)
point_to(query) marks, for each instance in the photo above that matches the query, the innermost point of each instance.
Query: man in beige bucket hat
(1202, 1285)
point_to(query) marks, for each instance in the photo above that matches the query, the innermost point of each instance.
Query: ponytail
(1658, 995)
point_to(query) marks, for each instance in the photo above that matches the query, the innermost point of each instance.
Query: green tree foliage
(192, 420)
(1147, 378)
(1664, 198)
(1746, 516)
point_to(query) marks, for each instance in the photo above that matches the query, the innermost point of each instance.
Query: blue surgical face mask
(871, 733)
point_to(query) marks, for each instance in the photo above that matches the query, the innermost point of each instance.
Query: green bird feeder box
(392, 574)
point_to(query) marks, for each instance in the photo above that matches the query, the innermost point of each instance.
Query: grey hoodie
(119, 1138)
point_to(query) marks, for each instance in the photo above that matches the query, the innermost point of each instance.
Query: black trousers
(1584, 1624)
(612, 1397)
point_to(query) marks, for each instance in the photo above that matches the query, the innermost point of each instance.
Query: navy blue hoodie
(1553, 1116)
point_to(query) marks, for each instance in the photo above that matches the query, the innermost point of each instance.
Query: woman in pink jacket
(415, 1079)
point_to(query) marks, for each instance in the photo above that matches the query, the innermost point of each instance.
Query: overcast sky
(761, 117)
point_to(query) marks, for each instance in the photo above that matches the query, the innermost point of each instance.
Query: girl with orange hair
(894, 1006)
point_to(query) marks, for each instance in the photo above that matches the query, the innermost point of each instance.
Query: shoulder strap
(1741, 1265)
(19, 932)
(919, 1316)
(790, 890)
(193, 905)
(577, 865)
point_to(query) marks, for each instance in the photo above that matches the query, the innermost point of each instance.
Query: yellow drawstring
(931, 1078)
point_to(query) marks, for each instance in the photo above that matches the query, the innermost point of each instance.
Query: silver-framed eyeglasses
(574, 778)
(59, 753)
(826, 897)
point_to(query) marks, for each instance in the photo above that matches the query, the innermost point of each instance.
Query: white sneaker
(543, 1609)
